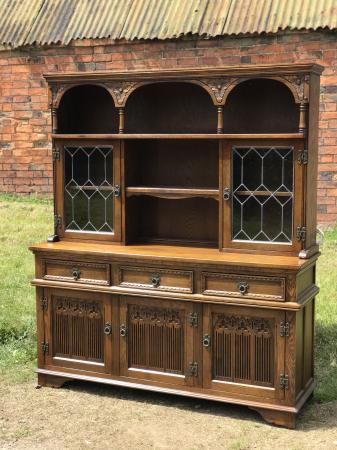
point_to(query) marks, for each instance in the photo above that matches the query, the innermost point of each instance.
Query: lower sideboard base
(280, 415)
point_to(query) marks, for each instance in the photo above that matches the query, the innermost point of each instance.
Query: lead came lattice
(262, 201)
(89, 189)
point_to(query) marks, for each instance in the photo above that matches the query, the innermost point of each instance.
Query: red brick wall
(25, 150)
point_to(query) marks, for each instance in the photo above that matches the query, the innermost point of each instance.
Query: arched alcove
(261, 106)
(170, 107)
(87, 109)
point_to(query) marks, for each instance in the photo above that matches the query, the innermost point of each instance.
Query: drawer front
(77, 272)
(243, 286)
(156, 279)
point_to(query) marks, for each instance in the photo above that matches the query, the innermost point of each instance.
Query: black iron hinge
(284, 381)
(284, 329)
(56, 154)
(45, 347)
(44, 303)
(193, 369)
(301, 233)
(193, 319)
(302, 157)
(57, 221)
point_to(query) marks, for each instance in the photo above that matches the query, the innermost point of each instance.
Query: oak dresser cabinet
(184, 250)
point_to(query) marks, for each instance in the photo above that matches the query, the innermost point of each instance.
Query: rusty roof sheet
(44, 22)
(16, 19)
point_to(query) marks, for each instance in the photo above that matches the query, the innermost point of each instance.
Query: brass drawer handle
(243, 287)
(123, 330)
(76, 273)
(107, 329)
(155, 280)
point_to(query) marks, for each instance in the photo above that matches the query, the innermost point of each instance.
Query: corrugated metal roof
(16, 19)
(27, 22)
(270, 16)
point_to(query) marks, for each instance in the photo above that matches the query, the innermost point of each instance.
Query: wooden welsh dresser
(184, 250)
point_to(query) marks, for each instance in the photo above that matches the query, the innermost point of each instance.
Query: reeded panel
(89, 189)
(77, 329)
(243, 349)
(263, 191)
(156, 339)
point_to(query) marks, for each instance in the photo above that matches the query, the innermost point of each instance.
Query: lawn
(24, 221)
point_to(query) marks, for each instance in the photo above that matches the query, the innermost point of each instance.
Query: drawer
(243, 286)
(78, 272)
(156, 279)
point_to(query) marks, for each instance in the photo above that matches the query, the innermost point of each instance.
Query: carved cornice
(120, 90)
(217, 87)
(300, 84)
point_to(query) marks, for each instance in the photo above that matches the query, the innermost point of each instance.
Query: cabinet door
(78, 330)
(243, 351)
(88, 191)
(262, 194)
(156, 340)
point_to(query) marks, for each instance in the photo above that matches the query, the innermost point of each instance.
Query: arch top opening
(87, 108)
(170, 107)
(261, 105)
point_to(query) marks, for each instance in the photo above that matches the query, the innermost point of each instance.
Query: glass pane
(88, 190)
(262, 203)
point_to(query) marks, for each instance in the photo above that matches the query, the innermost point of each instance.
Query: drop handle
(107, 329)
(206, 340)
(155, 280)
(76, 273)
(243, 287)
(123, 330)
(117, 190)
(226, 194)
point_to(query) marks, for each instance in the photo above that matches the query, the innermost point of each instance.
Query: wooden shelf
(181, 136)
(264, 193)
(172, 192)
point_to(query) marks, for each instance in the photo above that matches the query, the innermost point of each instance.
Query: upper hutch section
(223, 157)
(235, 100)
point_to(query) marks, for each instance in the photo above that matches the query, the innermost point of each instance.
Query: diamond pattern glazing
(89, 189)
(262, 201)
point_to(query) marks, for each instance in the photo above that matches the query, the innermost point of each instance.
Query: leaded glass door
(89, 191)
(262, 190)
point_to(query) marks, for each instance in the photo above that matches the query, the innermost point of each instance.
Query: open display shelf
(184, 248)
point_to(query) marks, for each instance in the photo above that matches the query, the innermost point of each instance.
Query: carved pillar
(121, 120)
(220, 120)
(302, 126)
(54, 120)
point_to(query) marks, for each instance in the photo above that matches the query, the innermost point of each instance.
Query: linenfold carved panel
(156, 339)
(243, 349)
(78, 329)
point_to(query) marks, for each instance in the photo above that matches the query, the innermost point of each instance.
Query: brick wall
(25, 150)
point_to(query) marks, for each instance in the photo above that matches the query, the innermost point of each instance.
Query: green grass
(23, 221)
(28, 220)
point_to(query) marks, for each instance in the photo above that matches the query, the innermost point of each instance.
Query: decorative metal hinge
(57, 221)
(284, 381)
(301, 233)
(56, 154)
(45, 347)
(284, 329)
(193, 369)
(193, 319)
(302, 157)
(44, 303)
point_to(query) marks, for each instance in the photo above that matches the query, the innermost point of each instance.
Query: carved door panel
(243, 351)
(156, 340)
(79, 330)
